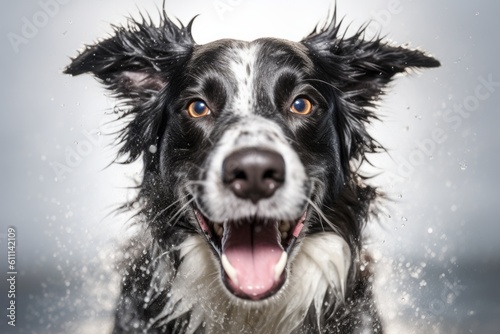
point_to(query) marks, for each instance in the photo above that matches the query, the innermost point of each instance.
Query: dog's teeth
(219, 230)
(284, 235)
(229, 269)
(284, 226)
(280, 266)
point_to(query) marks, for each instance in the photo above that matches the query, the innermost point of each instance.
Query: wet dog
(251, 205)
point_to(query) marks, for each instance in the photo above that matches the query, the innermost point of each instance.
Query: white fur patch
(322, 262)
(243, 66)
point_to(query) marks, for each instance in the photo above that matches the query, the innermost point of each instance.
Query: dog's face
(249, 145)
(257, 118)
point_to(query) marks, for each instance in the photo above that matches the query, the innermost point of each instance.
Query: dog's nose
(253, 173)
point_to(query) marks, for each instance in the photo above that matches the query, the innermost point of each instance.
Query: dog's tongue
(253, 251)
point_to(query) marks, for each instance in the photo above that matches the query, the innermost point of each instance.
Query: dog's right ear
(135, 64)
(138, 59)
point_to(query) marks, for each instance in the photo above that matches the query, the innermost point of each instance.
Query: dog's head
(253, 146)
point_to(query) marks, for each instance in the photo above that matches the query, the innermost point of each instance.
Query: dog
(251, 206)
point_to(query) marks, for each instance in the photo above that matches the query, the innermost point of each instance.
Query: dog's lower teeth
(219, 230)
(284, 226)
(280, 266)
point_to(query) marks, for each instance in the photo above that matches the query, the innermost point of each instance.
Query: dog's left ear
(359, 69)
(362, 66)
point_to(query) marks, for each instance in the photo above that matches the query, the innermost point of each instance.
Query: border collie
(252, 206)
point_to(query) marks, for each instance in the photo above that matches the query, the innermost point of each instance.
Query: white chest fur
(321, 263)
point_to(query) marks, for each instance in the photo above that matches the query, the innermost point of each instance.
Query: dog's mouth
(253, 253)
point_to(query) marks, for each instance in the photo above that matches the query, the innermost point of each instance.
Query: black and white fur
(174, 281)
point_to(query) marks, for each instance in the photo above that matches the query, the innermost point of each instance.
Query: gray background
(436, 246)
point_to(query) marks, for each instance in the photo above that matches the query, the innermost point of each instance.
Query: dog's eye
(197, 109)
(301, 106)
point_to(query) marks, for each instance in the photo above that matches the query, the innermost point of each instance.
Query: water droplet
(430, 230)
(463, 165)
(404, 219)
(477, 14)
(153, 149)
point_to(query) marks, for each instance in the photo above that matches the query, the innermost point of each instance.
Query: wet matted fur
(251, 205)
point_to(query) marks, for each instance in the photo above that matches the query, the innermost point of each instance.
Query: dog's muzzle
(252, 207)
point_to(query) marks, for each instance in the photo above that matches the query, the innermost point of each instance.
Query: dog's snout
(254, 173)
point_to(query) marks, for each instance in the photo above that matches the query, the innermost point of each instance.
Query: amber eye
(197, 109)
(301, 106)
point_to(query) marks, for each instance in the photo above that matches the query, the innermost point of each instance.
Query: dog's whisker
(196, 183)
(153, 220)
(199, 168)
(180, 211)
(323, 216)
